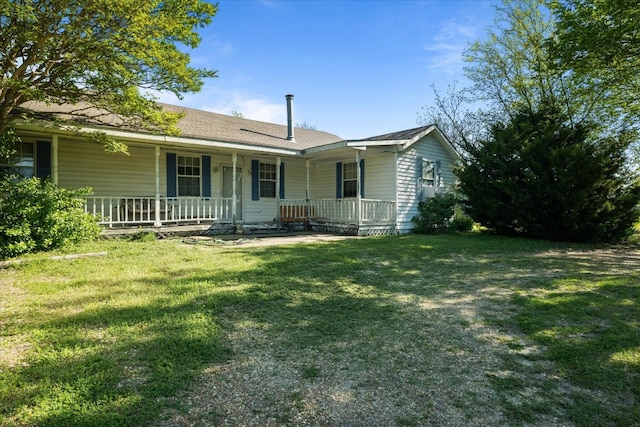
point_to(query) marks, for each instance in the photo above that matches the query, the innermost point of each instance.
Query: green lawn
(456, 330)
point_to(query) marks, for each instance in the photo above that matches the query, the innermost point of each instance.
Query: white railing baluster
(127, 210)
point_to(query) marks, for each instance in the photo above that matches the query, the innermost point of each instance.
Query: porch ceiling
(339, 154)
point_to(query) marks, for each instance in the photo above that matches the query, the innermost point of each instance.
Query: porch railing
(142, 210)
(340, 210)
(378, 211)
(123, 210)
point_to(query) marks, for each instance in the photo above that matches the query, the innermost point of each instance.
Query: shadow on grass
(120, 366)
(114, 365)
(590, 330)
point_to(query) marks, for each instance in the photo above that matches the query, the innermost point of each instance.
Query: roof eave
(128, 136)
(376, 143)
(322, 148)
(439, 136)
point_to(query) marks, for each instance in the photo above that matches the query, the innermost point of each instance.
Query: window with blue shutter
(428, 173)
(189, 176)
(264, 178)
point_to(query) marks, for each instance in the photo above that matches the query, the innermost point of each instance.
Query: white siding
(430, 149)
(83, 164)
(295, 178)
(324, 181)
(378, 177)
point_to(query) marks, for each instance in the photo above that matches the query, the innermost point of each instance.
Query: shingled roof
(195, 124)
(220, 127)
(397, 136)
(207, 128)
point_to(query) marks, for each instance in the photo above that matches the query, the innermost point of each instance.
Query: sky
(356, 68)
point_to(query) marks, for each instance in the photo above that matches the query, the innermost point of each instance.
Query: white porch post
(278, 162)
(358, 189)
(234, 204)
(54, 160)
(156, 221)
(308, 215)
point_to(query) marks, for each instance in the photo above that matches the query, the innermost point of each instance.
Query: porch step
(265, 228)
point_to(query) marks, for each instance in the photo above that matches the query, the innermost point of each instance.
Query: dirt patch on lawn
(434, 363)
(267, 239)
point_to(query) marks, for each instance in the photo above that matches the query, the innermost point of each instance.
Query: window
(22, 161)
(267, 180)
(188, 176)
(428, 173)
(349, 179)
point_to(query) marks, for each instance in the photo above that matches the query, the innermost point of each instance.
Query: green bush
(36, 215)
(441, 213)
(461, 222)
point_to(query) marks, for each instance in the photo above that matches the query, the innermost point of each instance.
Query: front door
(227, 187)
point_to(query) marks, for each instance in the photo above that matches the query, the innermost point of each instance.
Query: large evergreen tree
(539, 176)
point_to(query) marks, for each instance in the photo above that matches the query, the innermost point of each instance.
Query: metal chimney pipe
(290, 136)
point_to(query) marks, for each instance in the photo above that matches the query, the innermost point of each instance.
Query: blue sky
(356, 68)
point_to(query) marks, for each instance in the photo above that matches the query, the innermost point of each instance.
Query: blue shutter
(438, 171)
(255, 180)
(339, 180)
(43, 159)
(282, 180)
(419, 166)
(361, 177)
(206, 176)
(172, 175)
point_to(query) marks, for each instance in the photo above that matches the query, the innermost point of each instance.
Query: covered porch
(231, 197)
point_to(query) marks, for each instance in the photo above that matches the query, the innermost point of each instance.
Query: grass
(590, 329)
(468, 327)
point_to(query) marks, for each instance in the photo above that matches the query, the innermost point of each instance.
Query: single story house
(230, 173)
